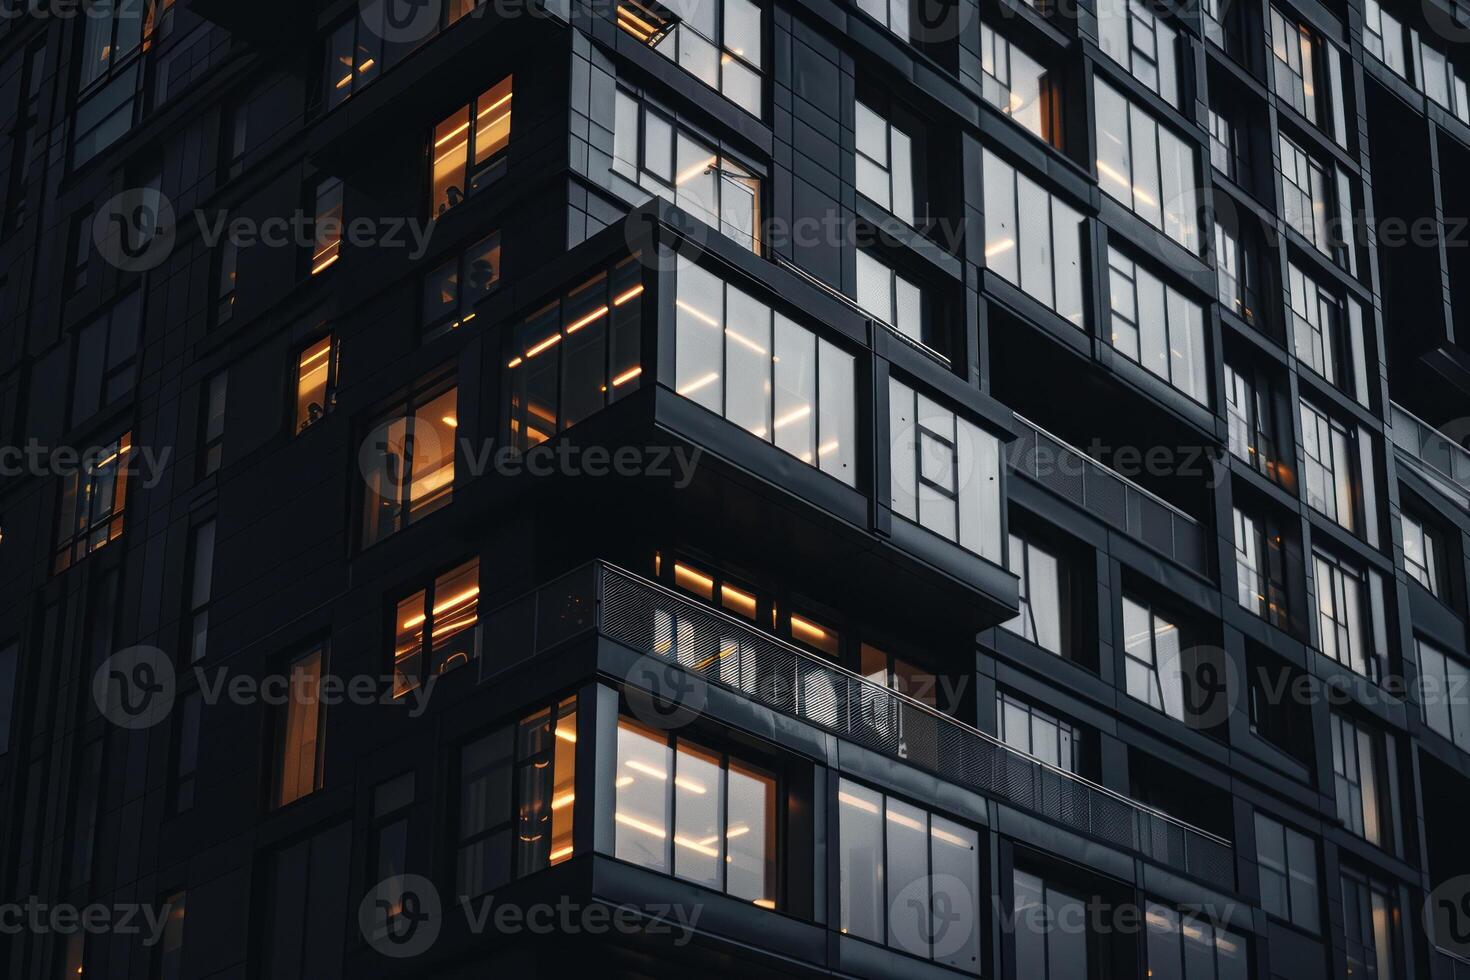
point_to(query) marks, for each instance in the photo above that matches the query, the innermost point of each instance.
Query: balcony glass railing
(1434, 449)
(1074, 476)
(724, 651)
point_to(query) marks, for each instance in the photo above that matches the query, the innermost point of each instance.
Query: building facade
(798, 488)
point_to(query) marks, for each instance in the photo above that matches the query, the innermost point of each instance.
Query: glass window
(892, 298)
(93, 499)
(945, 472)
(1383, 37)
(1294, 64)
(226, 281)
(1330, 461)
(201, 588)
(1355, 778)
(328, 225)
(1136, 38)
(718, 43)
(1147, 167)
(1248, 410)
(892, 14)
(1370, 927)
(388, 837)
(1153, 661)
(675, 165)
(106, 363)
(1045, 600)
(170, 955)
(1444, 694)
(435, 628)
(301, 731)
(212, 450)
(1287, 861)
(1260, 582)
(1020, 86)
(316, 382)
(1306, 205)
(697, 813)
(1033, 240)
(469, 147)
(885, 164)
(187, 721)
(1320, 330)
(1156, 326)
(1343, 616)
(1035, 732)
(453, 288)
(412, 475)
(729, 358)
(898, 858)
(1045, 950)
(1187, 946)
(1421, 552)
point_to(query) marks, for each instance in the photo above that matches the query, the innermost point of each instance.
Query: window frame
(329, 391)
(213, 407)
(1000, 54)
(431, 647)
(1066, 733)
(1019, 562)
(897, 168)
(1290, 874)
(661, 27)
(1124, 273)
(110, 472)
(405, 509)
(463, 264)
(282, 731)
(474, 176)
(1359, 786)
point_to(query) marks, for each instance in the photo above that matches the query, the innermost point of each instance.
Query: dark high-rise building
(665, 488)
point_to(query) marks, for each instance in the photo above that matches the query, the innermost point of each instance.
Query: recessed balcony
(1443, 460)
(646, 619)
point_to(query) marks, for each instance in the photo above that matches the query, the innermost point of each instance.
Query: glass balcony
(602, 600)
(1447, 461)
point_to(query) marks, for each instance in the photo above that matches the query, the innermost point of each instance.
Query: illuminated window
(107, 358)
(1020, 86)
(1248, 410)
(1187, 946)
(903, 676)
(716, 41)
(664, 159)
(212, 449)
(1154, 325)
(696, 813)
(945, 472)
(1146, 167)
(890, 891)
(111, 80)
(327, 226)
(93, 499)
(1033, 240)
(201, 588)
(316, 383)
(808, 632)
(468, 150)
(766, 373)
(452, 290)
(577, 355)
(435, 628)
(410, 460)
(1138, 39)
(356, 54)
(301, 730)
(517, 799)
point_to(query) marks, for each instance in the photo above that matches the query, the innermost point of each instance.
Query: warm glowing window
(316, 383)
(696, 813)
(902, 871)
(112, 83)
(434, 627)
(716, 41)
(355, 50)
(169, 957)
(408, 463)
(302, 726)
(93, 499)
(517, 799)
(577, 355)
(354, 57)
(227, 263)
(327, 227)
(664, 159)
(765, 372)
(452, 290)
(468, 150)
(807, 631)
(1020, 86)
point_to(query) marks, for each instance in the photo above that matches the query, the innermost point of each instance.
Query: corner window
(697, 813)
(1146, 167)
(1020, 86)
(1287, 862)
(452, 290)
(766, 373)
(1296, 62)
(316, 383)
(107, 358)
(904, 875)
(413, 450)
(93, 499)
(577, 355)
(664, 159)
(717, 42)
(1033, 240)
(1260, 568)
(1045, 616)
(885, 164)
(301, 727)
(327, 226)
(1321, 334)
(945, 472)
(434, 628)
(469, 147)
(1136, 38)
(1156, 326)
